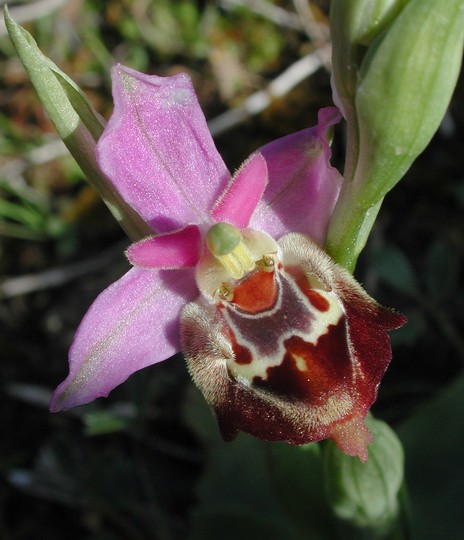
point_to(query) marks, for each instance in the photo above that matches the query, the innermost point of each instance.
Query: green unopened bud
(354, 25)
(76, 122)
(393, 94)
(406, 82)
(366, 19)
(367, 494)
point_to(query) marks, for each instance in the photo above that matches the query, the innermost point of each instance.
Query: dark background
(142, 463)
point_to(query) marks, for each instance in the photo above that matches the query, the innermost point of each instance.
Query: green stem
(351, 222)
(352, 142)
(349, 228)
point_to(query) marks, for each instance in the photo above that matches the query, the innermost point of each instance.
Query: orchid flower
(283, 343)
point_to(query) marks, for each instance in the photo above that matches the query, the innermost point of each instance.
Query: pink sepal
(131, 325)
(303, 187)
(239, 200)
(170, 250)
(158, 152)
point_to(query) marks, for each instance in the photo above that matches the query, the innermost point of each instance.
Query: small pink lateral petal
(170, 250)
(303, 187)
(131, 325)
(158, 152)
(240, 198)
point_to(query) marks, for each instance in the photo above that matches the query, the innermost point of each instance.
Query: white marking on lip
(319, 324)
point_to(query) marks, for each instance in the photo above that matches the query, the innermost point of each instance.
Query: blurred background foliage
(147, 462)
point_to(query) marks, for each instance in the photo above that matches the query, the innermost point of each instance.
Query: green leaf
(441, 270)
(234, 524)
(75, 121)
(406, 82)
(433, 440)
(50, 91)
(298, 479)
(412, 332)
(27, 215)
(235, 495)
(79, 102)
(394, 268)
(199, 418)
(102, 422)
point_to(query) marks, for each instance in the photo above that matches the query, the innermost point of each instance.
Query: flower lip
(300, 366)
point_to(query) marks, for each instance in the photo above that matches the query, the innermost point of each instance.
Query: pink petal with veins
(303, 187)
(131, 325)
(158, 152)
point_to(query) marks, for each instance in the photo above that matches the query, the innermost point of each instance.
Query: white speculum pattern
(292, 314)
(264, 334)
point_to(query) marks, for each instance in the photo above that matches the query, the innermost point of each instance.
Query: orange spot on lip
(316, 299)
(256, 293)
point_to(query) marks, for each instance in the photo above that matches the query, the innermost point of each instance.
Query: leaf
(231, 524)
(235, 493)
(75, 121)
(394, 268)
(297, 475)
(410, 333)
(441, 270)
(103, 422)
(433, 440)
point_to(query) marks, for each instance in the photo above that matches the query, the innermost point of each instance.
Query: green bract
(369, 18)
(407, 80)
(75, 120)
(393, 76)
(354, 25)
(367, 494)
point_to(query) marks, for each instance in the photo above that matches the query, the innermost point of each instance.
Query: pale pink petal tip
(303, 188)
(327, 117)
(240, 198)
(352, 437)
(172, 250)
